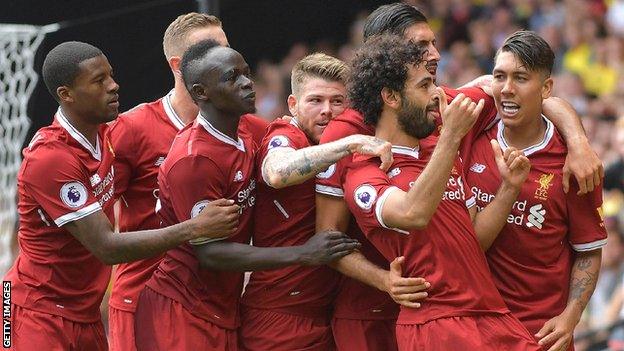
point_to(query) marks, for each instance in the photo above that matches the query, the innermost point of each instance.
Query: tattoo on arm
(292, 167)
(583, 282)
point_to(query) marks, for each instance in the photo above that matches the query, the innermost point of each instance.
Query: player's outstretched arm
(413, 209)
(320, 249)
(557, 333)
(284, 167)
(218, 219)
(581, 161)
(332, 213)
(514, 168)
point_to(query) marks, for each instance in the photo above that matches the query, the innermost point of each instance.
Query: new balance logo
(95, 179)
(159, 161)
(477, 168)
(536, 217)
(238, 177)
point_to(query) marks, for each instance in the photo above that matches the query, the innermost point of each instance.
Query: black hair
(60, 66)
(392, 18)
(533, 51)
(382, 62)
(192, 56)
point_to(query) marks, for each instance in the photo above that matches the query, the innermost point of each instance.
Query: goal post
(18, 78)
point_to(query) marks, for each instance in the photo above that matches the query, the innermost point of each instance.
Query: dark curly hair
(382, 62)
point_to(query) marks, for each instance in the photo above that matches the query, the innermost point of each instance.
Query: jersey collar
(548, 134)
(173, 116)
(217, 134)
(404, 150)
(96, 151)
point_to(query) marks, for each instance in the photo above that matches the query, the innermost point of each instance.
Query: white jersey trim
(404, 150)
(379, 207)
(170, 112)
(590, 246)
(548, 134)
(329, 190)
(471, 202)
(217, 134)
(96, 151)
(81, 213)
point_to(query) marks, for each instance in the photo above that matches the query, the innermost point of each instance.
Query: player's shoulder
(347, 123)
(141, 115)
(49, 141)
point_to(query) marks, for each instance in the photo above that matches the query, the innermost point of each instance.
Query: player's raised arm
(218, 219)
(413, 209)
(582, 161)
(514, 168)
(285, 166)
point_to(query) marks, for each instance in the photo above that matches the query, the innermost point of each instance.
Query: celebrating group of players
(380, 190)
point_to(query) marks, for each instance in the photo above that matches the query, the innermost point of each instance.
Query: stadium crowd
(587, 37)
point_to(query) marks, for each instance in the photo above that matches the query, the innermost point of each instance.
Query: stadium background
(586, 35)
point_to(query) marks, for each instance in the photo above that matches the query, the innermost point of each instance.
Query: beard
(413, 120)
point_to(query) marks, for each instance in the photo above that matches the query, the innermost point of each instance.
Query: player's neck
(388, 129)
(88, 130)
(183, 104)
(525, 135)
(224, 122)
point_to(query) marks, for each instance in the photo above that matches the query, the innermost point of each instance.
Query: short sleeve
(330, 181)
(58, 182)
(191, 189)
(586, 226)
(366, 189)
(123, 139)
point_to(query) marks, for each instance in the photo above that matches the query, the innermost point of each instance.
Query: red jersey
(532, 257)
(63, 178)
(445, 253)
(286, 217)
(142, 137)
(203, 165)
(356, 300)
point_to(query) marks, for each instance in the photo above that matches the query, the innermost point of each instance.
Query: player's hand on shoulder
(512, 165)
(405, 291)
(325, 247)
(371, 145)
(219, 218)
(584, 164)
(458, 116)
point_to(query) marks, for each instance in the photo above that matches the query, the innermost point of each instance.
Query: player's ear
(198, 92)
(174, 64)
(64, 94)
(292, 105)
(390, 97)
(547, 88)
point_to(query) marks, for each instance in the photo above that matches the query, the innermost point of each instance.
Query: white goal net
(18, 45)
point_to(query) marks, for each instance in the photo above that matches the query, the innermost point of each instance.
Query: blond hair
(317, 65)
(175, 41)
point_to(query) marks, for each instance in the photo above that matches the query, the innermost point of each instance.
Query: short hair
(382, 62)
(531, 49)
(60, 66)
(392, 18)
(317, 65)
(189, 65)
(175, 40)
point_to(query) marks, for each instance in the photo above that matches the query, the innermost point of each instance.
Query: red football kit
(57, 283)
(202, 165)
(357, 302)
(286, 217)
(446, 253)
(532, 257)
(141, 137)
